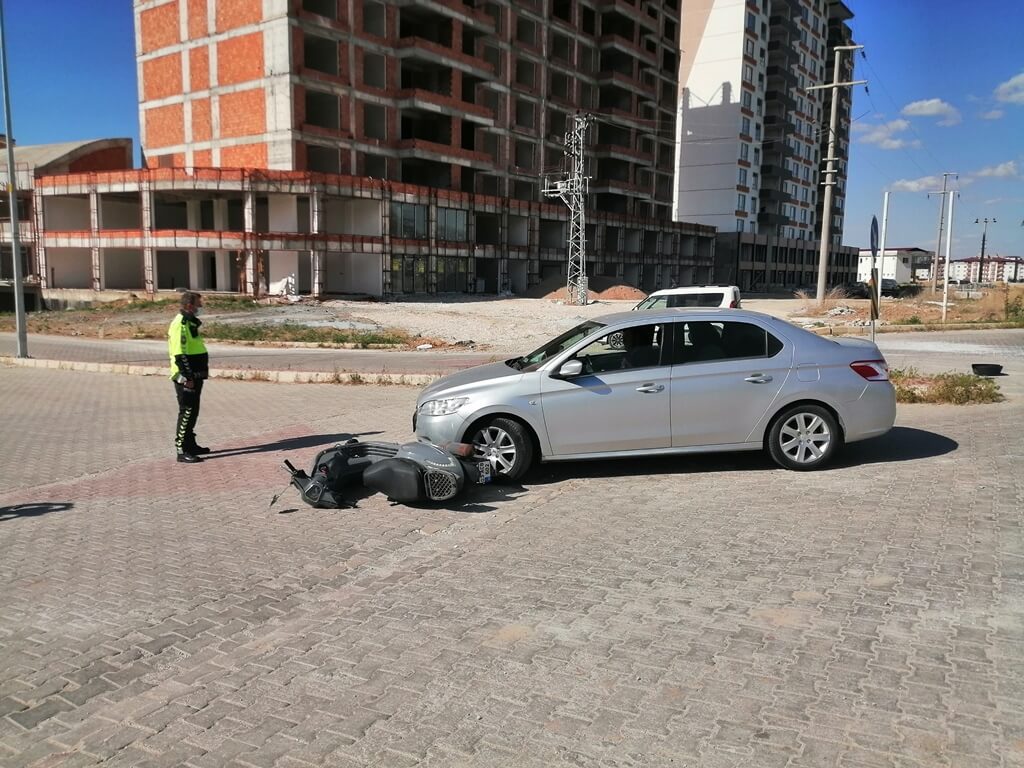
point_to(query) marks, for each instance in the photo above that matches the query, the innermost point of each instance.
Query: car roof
(675, 313)
(693, 289)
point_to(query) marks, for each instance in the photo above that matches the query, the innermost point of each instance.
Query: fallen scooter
(408, 473)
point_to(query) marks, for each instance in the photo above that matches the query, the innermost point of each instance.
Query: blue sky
(946, 93)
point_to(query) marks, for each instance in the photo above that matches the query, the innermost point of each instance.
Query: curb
(238, 374)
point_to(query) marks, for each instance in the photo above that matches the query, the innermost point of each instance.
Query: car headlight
(445, 407)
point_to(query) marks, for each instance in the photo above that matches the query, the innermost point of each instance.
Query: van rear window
(696, 300)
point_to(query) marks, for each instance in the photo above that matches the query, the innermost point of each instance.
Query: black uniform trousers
(188, 414)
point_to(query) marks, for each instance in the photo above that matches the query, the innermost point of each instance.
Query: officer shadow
(35, 509)
(288, 444)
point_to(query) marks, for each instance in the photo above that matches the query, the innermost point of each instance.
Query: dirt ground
(488, 323)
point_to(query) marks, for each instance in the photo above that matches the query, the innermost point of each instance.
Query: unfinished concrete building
(387, 148)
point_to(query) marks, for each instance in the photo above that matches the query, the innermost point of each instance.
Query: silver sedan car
(660, 382)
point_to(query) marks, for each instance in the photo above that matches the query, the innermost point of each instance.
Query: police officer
(189, 368)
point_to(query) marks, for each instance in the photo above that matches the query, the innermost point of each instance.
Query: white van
(725, 296)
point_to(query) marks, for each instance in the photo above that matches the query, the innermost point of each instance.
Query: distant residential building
(996, 269)
(904, 265)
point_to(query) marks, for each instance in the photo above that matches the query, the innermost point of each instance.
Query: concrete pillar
(252, 285)
(192, 215)
(148, 251)
(195, 272)
(223, 261)
(319, 254)
(94, 240)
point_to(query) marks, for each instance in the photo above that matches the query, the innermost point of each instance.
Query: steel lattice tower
(572, 190)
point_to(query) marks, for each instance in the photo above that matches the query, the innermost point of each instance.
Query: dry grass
(952, 388)
(833, 298)
(998, 304)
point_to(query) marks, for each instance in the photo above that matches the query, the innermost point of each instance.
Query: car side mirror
(569, 369)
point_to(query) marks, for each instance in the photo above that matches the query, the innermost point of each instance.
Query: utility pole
(938, 243)
(830, 170)
(12, 189)
(981, 259)
(572, 191)
(949, 245)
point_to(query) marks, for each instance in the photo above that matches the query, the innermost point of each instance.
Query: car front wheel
(804, 437)
(506, 444)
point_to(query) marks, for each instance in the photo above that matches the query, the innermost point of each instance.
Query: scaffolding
(572, 190)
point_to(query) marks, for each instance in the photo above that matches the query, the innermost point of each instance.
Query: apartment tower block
(752, 139)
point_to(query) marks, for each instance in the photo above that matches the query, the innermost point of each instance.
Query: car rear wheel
(804, 437)
(506, 444)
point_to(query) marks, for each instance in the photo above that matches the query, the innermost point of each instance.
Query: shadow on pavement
(36, 509)
(474, 499)
(900, 444)
(737, 461)
(288, 444)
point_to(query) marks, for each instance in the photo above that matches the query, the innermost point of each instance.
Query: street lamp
(981, 259)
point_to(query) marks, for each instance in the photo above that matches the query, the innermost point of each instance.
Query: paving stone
(610, 613)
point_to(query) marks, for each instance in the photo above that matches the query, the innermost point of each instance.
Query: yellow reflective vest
(186, 348)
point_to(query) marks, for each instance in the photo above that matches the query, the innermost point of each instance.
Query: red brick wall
(202, 158)
(165, 126)
(244, 156)
(240, 59)
(243, 113)
(199, 68)
(202, 125)
(161, 77)
(198, 23)
(160, 26)
(232, 14)
(110, 159)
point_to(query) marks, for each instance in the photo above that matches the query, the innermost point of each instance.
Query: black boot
(188, 458)
(191, 446)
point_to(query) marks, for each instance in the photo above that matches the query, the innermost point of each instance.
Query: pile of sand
(599, 288)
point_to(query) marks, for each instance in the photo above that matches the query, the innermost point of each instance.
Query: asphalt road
(957, 348)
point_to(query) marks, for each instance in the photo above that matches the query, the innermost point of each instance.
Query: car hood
(453, 384)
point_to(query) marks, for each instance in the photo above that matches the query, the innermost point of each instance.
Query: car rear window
(696, 300)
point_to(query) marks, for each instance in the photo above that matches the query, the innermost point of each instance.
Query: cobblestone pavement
(708, 611)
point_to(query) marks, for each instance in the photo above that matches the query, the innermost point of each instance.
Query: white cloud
(883, 135)
(992, 114)
(933, 108)
(923, 184)
(1007, 170)
(1012, 91)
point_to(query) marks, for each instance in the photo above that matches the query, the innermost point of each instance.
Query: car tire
(804, 437)
(506, 444)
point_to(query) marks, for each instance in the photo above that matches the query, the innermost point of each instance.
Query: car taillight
(872, 370)
(732, 305)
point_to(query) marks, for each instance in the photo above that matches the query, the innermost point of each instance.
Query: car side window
(638, 346)
(704, 341)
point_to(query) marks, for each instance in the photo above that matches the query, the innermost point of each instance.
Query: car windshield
(554, 347)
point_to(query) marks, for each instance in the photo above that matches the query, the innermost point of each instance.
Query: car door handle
(651, 389)
(758, 378)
